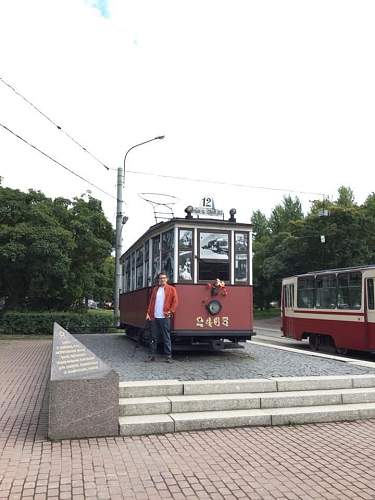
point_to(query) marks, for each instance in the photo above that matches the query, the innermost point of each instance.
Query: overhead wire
(55, 161)
(59, 127)
(223, 183)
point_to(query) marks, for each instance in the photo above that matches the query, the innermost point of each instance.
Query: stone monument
(83, 392)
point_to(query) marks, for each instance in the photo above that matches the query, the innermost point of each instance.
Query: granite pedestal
(84, 391)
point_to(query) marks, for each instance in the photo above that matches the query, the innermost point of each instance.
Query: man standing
(162, 306)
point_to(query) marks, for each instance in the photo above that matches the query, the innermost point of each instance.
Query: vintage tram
(332, 309)
(193, 252)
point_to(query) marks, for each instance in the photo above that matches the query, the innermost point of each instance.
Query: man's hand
(168, 314)
(147, 317)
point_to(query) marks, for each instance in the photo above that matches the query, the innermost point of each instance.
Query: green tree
(283, 214)
(260, 225)
(345, 197)
(52, 252)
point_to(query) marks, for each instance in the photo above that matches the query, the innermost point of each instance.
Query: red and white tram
(193, 252)
(331, 308)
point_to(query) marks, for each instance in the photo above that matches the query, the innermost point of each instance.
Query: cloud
(101, 5)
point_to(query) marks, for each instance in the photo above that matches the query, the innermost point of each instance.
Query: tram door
(370, 310)
(287, 309)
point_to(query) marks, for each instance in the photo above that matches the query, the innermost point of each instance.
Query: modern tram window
(326, 291)
(349, 290)
(289, 296)
(370, 294)
(306, 292)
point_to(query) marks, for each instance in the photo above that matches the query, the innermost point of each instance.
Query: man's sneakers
(152, 358)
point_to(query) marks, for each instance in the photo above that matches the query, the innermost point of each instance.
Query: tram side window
(349, 290)
(326, 293)
(167, 253)
(185, 255)
(139, 263)
(127, 274)
(147, 263)
(155, 258)
(133, 271)
(306, 292)
(241, 251)
(370, 294)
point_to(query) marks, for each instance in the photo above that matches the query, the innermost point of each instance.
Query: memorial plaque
(84, 391)
(71, 359)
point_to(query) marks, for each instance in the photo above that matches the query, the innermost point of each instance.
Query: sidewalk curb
(352, 361)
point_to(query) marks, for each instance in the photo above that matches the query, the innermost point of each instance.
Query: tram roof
(160, 227)
(337, 270)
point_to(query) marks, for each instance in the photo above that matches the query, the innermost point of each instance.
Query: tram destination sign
(207, 208)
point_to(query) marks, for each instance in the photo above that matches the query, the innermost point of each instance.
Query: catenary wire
(55, 161)
(54, 123)
(223, 183)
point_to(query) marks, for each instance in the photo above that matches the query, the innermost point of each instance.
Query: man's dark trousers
(161, 327)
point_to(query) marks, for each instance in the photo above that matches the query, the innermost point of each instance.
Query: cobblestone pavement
(272, 323)
(254, 361)
(322, 461)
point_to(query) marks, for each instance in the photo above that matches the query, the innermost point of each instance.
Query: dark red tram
(194, 252)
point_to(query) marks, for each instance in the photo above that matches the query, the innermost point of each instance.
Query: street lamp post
(120, 221)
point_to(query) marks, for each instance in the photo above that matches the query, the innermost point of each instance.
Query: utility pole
(118, 247)
(120, 221)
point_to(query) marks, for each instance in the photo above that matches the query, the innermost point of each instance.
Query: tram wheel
(314, 342)
(342, 350)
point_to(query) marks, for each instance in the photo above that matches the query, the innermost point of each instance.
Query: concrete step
(159, 405)
(175, 422)
(149, 388)
(146, 424)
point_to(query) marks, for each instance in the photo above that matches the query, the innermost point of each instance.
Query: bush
(34, 323)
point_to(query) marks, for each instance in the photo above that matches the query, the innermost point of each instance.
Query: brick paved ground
(324, 461)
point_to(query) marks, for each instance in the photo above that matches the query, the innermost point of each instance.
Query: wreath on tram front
(217, 287)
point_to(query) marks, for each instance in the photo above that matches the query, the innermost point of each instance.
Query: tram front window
(208, 270)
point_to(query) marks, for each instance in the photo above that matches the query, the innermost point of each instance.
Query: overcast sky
(267, 93)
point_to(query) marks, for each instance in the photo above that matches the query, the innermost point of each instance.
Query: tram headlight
(214, 307)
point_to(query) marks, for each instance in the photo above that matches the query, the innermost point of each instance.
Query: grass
(105, 312)
(11, 336)
(267, 313)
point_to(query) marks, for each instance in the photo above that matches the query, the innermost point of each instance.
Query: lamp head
(189, 209)
(232, 213)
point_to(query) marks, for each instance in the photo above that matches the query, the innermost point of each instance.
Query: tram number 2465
(211, 322)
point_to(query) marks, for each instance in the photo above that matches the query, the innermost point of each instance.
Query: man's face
(163, 280)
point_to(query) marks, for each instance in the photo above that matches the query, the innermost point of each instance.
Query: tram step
(156, 424)
(223, 402)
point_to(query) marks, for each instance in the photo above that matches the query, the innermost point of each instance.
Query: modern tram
(332, 309)
(209, 262)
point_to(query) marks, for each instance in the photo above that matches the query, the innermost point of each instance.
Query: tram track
(274, 337)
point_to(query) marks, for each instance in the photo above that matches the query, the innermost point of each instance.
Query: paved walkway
(323, 461)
